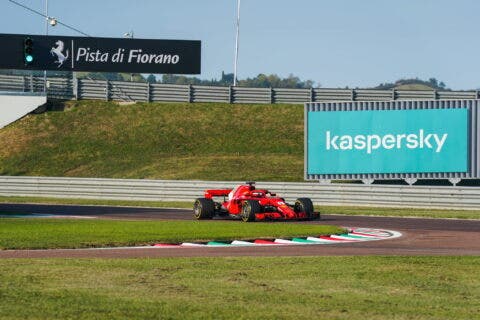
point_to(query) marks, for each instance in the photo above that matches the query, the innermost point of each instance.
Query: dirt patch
(13, 141)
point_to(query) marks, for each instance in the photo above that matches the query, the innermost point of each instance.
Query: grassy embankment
(158, 140)
(67, 233)
(167, 141)
(241, 288)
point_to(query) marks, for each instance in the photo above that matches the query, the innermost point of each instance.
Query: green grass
(241, 288)
(209, 141)
(367, 211)
(401, 212)
(99, 202)
(19, 233)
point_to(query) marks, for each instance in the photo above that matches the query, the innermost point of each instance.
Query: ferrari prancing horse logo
(57, 50)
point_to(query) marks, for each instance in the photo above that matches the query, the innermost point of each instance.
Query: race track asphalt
(419, 236)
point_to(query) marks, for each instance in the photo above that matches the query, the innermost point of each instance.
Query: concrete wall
(14, 106)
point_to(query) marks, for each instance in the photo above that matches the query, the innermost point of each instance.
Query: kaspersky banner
(64, 53)
(387, 141)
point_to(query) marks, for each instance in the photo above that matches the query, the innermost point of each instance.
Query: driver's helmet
(259, 194)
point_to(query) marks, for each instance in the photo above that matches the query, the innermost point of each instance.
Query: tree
(151, 79)
(274, 81)
(260, 81)
(226, 79)
(433, 82)
(174, 79)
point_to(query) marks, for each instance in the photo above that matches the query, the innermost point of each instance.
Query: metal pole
(236, 45)
(46, 17)
(46, 33)
(129, 35)
(131, 74)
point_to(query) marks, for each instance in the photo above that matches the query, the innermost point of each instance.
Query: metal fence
(168, 190)
(68, 88)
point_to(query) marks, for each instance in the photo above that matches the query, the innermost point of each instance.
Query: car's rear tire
(304, 205)
(203, 208)
(249, 209)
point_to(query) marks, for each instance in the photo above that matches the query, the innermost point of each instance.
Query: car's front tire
(203, 209)
(249, 209)
(304, 205)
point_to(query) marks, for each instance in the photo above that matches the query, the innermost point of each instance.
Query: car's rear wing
(209, 194)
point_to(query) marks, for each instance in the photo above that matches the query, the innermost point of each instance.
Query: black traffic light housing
(28, 56)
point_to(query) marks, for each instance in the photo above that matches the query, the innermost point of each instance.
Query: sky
(336, 43)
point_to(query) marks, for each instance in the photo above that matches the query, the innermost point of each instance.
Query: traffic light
(28, 51)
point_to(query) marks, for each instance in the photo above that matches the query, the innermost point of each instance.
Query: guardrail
(180, 190)
(72, 88)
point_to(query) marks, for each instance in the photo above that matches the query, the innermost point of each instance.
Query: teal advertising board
(387, 141)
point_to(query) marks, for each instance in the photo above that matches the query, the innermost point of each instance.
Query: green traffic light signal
(28, 51)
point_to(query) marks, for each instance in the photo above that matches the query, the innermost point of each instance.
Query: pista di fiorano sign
(133, 56)
(100, 54)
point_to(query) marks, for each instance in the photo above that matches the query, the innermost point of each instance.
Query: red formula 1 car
(250, 204)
